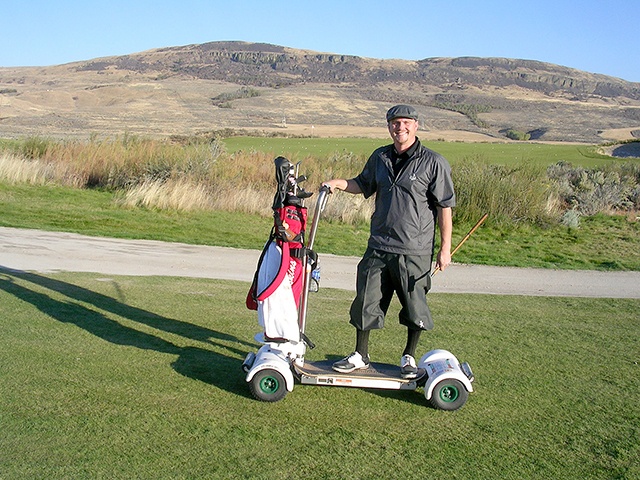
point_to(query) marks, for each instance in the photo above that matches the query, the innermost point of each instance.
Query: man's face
(403, 131)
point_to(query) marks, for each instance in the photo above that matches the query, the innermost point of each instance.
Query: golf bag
(277, 283)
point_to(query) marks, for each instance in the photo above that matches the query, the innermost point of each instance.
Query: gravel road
(44, 252)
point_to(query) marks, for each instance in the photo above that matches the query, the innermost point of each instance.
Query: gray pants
(380, 274)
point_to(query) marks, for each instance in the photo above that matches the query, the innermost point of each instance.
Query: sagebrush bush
(570, 219)
(591, 191)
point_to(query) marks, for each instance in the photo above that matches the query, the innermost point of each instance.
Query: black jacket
(405, 205)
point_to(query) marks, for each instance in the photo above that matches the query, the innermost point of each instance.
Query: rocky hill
(259, 87)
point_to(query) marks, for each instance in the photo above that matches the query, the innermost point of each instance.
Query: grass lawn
(139, 377)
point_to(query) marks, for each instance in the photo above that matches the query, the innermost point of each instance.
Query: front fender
(267, 359)
(441, 365)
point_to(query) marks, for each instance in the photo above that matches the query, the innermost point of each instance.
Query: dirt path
(41, 251)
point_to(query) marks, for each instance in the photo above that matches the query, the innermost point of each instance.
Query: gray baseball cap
(402, 111)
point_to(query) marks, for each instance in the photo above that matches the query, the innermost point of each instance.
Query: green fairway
(496, 153)
(139, 377)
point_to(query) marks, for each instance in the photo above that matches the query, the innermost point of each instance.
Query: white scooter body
(441, 365)
(446, 381)
(274, 356)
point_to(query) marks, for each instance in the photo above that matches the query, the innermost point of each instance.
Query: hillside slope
(259, 87)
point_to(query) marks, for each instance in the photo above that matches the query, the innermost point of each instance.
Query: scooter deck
(381, 375)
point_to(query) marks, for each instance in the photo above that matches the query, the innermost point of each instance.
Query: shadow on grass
(194, 362)
(414, 397)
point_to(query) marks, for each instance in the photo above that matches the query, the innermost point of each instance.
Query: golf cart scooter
(282, 311)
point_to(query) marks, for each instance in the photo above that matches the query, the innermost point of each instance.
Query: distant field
(497, 153)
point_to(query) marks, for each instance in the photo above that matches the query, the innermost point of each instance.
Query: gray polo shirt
(405, 205)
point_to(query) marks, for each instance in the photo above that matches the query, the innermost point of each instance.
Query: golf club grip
(466, 237)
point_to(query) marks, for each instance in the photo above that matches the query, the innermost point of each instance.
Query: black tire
(449, 394)
(268, 386)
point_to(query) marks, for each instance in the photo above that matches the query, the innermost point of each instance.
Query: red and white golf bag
(277, 284)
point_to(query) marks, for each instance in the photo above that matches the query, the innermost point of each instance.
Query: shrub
(570, 219)
(224, 99)
(590, 191)
(509, 194)
(35, 147)
(518, 135)
(471, 111)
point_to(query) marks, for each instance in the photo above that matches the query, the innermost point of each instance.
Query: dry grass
(151, 174)
(520, 194)
(350, 209)
(161, 175)
(170, 195)
(16, 169)
(116, 163)
(198, 174)
(245, 200)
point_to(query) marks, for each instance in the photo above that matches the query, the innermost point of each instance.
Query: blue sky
(598, 36)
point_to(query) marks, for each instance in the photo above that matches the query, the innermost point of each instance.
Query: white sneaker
(408, 367)
(348, 364)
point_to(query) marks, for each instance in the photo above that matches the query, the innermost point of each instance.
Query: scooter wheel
(268, 386)
(449, 394)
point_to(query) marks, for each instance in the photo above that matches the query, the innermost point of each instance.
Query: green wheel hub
(449, 393)
(269, 384)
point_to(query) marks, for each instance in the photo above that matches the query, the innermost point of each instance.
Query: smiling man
(413, 192)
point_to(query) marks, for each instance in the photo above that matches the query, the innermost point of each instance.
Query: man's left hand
(443, 260)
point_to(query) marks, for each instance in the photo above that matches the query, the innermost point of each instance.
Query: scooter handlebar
(320, 204)
(322, 198)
